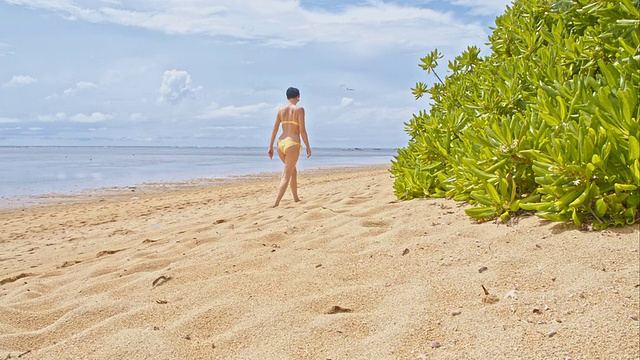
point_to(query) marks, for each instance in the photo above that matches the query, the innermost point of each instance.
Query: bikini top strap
(292, 115)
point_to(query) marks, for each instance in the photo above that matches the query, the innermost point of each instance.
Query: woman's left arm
(274, 133)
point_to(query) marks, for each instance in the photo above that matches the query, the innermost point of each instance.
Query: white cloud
(364, 114)
(4, 120)
(4, 49)
(86, 85)
(346, 101)
(52, 118)
(136, 117)
(176, 86)
(20, 80)
(484, 7)
(82, 85)
(10, 128)
(93, 118)
(214, 111)
(366, 26)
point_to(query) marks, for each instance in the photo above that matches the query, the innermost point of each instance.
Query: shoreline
(41, 170)
(25, 201)
(210, 271)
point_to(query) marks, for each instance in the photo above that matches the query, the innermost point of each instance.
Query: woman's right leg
(294, 185)
(290, 158)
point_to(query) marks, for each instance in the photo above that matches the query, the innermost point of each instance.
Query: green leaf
(600, 207)
(481, 212)
(570, 196)
(624, 187)
(577, 218)
(491, 190)
(584, 196)
(481, 198)
(634, 148)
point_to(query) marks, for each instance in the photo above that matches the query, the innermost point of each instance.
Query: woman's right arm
(303, 130)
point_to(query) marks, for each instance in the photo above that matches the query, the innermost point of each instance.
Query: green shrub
(548, 122)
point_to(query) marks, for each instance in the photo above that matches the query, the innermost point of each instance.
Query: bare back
(292, 122)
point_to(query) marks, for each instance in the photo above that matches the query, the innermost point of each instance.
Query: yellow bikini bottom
(284, 144)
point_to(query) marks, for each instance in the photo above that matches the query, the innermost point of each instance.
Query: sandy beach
(209, 271)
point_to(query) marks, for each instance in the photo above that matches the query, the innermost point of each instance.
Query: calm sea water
(26, 171)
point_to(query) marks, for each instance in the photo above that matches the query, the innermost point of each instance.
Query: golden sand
(209, 271)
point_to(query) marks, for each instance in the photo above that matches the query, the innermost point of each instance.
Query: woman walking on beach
(289, 146)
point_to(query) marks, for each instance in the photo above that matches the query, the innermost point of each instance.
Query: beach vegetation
(548, 122)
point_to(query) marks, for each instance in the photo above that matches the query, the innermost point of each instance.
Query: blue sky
(213, 73)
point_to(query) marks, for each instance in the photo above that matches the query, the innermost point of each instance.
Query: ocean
(31, 171)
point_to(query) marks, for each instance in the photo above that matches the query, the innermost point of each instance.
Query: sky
(214, 72)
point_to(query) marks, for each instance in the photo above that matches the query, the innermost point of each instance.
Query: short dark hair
(292, 93)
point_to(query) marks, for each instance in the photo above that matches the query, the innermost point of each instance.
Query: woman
(289, 146)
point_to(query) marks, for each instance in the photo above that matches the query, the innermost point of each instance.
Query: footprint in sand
(160, 280)
(108, 252)
(15, 278)
(374, 224)
(121, 232)
(69, 263)
(148, 266)
(338, 309)
(317, 215)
